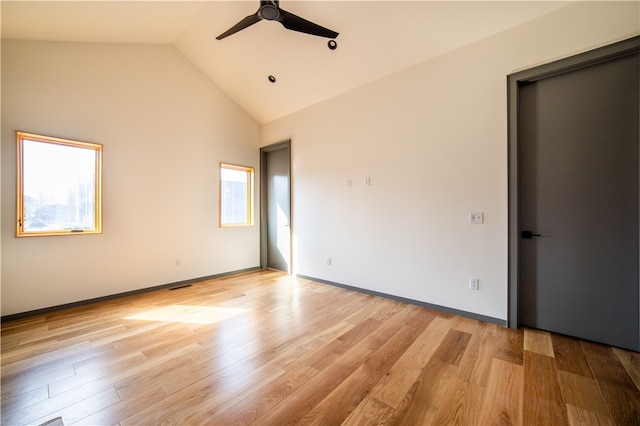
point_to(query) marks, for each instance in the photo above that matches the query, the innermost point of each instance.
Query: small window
(59, 186)
(236, 195)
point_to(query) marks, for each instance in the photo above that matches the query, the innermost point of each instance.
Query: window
(236, 195)
(59, 186)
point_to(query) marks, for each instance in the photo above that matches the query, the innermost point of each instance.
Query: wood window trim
(21, 137)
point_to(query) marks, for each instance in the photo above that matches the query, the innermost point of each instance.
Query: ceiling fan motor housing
(269, 12)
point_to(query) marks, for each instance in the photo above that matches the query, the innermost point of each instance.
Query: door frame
(264, 215)
(514, 81)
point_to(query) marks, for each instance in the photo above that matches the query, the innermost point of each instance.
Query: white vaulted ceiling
(376, 38)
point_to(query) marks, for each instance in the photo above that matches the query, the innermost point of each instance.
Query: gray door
(277, 210)
(578, 191)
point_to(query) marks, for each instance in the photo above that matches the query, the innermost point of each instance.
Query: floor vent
(53, 422)
(180, 286)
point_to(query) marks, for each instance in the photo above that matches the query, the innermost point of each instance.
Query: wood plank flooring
(268, 349)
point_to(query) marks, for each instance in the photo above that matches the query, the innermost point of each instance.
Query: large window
(236, 195)
(59, 186)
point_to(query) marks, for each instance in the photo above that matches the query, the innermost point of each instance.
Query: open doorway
(275, 210)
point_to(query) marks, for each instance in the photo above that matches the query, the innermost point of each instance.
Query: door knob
(529, 234)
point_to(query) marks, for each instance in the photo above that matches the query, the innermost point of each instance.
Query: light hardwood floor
(267, 349)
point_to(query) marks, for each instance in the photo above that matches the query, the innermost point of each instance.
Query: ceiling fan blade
(246, 22)
(296, 23)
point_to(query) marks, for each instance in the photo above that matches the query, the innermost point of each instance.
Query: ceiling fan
(270, 10)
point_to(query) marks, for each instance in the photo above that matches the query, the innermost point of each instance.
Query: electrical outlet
(178, 261)
(476, 218)
(474, 283)
(328, 261)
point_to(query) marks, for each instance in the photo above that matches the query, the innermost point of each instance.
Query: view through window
(236, 195)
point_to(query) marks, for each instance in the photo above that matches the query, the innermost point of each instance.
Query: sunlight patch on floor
(189, 314)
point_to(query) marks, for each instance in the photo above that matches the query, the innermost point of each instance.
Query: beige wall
(164, 127)
(433, 140)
